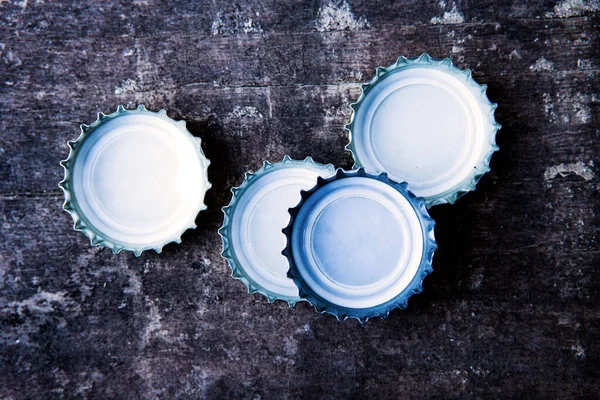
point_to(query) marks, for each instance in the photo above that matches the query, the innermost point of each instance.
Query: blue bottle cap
(425, 122)
(135, 180)
(258, 211)
(359, 245)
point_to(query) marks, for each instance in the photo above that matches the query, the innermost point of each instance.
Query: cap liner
(135, 180)
(346, 282)
(426, 122)
(253, 221)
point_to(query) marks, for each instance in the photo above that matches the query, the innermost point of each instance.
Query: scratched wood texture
(511, 309)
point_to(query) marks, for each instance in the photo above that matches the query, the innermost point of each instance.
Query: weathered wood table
(512, 308)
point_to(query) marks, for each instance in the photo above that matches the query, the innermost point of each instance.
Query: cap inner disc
(357, 242)
(136, 179)
(423, 126)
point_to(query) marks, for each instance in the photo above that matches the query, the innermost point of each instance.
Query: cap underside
(136, 180)
(256, 217)
(427, 123)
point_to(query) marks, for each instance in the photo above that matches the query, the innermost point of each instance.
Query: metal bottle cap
(258, 211)
(359, 245)
(135, 180)
(425, 122)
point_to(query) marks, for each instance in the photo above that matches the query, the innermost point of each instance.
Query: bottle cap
(135, 180)
(427, 123)
(258, 211)
(359, 245)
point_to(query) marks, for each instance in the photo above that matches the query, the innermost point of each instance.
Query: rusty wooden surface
(511, 309)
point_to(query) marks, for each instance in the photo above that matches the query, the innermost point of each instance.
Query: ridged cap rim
(237, 270)
(401, 300)
(80, 222)
(466, 77)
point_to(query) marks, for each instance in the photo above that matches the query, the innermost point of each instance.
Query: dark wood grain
(511, 309)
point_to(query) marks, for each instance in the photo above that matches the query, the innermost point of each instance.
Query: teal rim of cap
(396, 295)
(83, 220)
(270, 280)
(399, 163)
